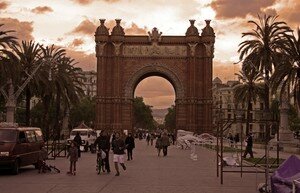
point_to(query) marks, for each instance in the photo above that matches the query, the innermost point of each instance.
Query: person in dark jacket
(118, 147)
(102, 142)
(78, 141)
(130, 145)
(165, 142)
(249, 146)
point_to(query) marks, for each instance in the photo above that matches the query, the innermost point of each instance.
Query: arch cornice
(154, 69)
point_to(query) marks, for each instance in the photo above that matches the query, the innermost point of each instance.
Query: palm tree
(287, 73)
(248, 91)
(29, 54)
(51, 56)
(7, 68)
(262, 50)
(67, 82)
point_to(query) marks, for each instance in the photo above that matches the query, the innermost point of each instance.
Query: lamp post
(11, 96)
(239, 118)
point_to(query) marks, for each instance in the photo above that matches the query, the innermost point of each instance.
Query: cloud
(42, 10)
(291, 13)
(23, 29)
(77, 42)
(227, 9)
(86, 27)
(135, 30)
(85, 61)
(3, 5)
(83, 2)
(225, 71)
(161, 96)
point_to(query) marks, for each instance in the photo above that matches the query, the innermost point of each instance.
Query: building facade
(224, 106)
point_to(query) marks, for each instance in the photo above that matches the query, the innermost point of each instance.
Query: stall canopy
(283, 177)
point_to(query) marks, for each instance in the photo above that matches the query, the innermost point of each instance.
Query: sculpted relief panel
(154, 50)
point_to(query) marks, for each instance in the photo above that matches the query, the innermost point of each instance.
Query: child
(73, 154)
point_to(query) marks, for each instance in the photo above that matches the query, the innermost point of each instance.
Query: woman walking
(158, 145)
(73, 154)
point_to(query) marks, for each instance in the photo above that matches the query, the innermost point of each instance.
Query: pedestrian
(249, 146)
(102, 142)
(158, 145)
(73, 154)
(78, 142)
(118, 147)
(236, 139)
(152, 137)
(148, 138)
(130, 145)
(230, 139)
(165, 141)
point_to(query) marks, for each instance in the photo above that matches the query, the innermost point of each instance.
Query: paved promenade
(147, 173)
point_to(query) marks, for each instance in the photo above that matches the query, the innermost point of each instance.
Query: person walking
(103, 144)
(152, 137)
(78, 141)
(73, 154)
(158, 145)
(249, 146)
(148, 138)
(118, 147)
(130, 145)
(165, 142)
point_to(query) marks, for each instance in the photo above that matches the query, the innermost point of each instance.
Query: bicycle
(100, 161)
(43, 167)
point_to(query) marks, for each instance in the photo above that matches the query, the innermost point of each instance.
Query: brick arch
(154, 70)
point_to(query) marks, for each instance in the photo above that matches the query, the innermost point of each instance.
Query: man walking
(103, 144)
(249, 145)
(130, 145)
(165, 142)
(118, 146)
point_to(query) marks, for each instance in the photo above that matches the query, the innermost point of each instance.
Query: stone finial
(208, 30)
(155, 36)
(192, 30)
(118, 30)
(102, 30)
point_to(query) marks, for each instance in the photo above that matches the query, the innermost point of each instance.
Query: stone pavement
(147, 173)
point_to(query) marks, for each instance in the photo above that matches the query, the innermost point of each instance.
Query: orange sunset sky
(72, 24)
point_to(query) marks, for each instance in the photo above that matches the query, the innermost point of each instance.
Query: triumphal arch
(125, 60)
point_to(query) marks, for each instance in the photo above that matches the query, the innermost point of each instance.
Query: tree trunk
(28, 98)
(46, 103)
(248, 117)
(58, 98)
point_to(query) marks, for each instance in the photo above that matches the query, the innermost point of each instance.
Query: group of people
(162, 143)
(104, 143)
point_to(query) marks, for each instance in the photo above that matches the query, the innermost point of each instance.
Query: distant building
(89, 83)
(224, 102)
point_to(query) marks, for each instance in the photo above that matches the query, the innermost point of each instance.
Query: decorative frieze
(154, 50)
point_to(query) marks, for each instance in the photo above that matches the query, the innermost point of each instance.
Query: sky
(72, 23)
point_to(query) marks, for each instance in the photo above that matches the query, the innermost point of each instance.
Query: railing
(57, 149)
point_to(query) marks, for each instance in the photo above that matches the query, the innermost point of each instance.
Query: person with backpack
(158, 145)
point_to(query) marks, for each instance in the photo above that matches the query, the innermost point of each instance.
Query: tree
(170, 119)
(84, 111)
(142, 114)
(248, 91)
(287, 73)
(28, 54)
(261, 51)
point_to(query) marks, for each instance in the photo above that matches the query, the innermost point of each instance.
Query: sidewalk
(147, 173)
